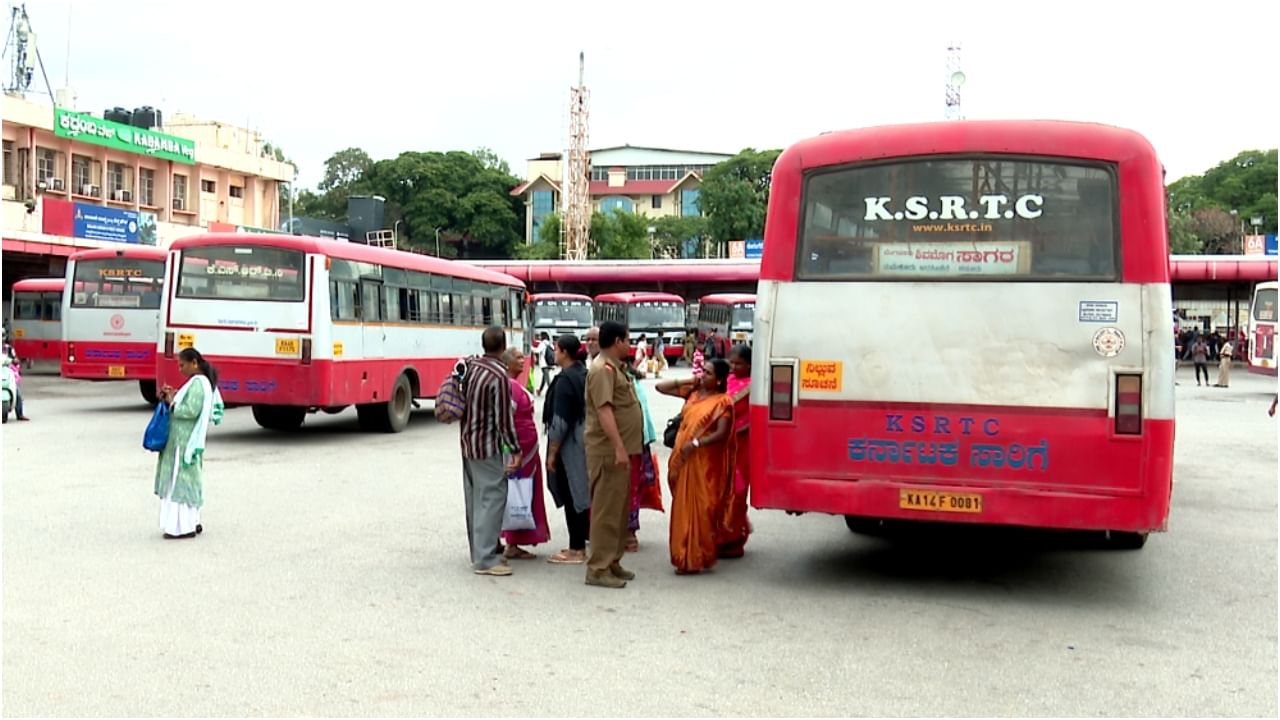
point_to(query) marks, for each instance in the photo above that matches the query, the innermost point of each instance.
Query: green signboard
(86, 128)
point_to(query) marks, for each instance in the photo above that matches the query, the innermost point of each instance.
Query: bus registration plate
(115, 371)
(287, 346)
(931, 501)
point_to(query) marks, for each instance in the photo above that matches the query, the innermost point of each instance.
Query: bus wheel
(391, 416)
(275, 417)
(148, 388)
(1126, 540)
(864, 525)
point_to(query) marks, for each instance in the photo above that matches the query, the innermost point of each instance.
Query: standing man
(1224, 364)
(1200, 356)
(614, 435)
(593, 343)
(489, 451)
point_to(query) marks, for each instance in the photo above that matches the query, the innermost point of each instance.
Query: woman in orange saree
(731, 538)
(701, 466)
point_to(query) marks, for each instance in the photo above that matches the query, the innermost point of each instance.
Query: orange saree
(698, 483)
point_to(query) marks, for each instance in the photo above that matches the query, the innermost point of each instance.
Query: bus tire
(148, 389)
(280, 418)
(1126, 540)
(391, 416)
(864, 525)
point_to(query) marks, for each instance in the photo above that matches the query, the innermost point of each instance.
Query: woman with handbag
(180, 469)
(565, 415)
(701, 466)
(530, 462)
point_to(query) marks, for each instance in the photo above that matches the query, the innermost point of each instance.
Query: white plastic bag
(519, 512)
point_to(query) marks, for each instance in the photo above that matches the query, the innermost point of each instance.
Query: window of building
(689, 203)
(9, 174)
(657, 202)
(119, 179)
(82, 174)
(234, 191)
(46, 163)
(209, 186)
(147, 187)
(179, 192)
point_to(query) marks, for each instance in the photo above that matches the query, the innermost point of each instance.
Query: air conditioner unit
(95, 191)
(86, 189)
(178, 204)
(58, 184)
(127, 195)
(117, 194)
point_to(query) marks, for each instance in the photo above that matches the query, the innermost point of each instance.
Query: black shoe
(199, 529)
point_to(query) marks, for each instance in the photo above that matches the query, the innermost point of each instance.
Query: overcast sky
(716, 76)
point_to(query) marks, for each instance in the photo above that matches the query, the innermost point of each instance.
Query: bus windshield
(562, 313)
(743, 316)
(1264, 305)
(242, 272)
(656, 315)
(118, 282)
(978, 218)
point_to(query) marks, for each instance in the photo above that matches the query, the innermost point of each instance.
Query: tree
(1182, 235)
(1245, 184)
(344, 169)
(620, 235)
(491, 161)
(1217, 229)
(547, 246)
(670, 233)
(735, 195)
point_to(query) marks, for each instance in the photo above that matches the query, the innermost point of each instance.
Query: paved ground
(332, 579)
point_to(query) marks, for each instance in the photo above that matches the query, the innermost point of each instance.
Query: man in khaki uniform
(614, 435)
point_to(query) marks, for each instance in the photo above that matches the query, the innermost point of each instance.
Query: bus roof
(558, 296)
(354, 252)
(626, 271)
(635, 297)
(727, 299)
(139, 252)
(1059, 138)
(40, 285)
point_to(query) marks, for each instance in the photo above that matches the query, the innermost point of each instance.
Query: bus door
(371, 318)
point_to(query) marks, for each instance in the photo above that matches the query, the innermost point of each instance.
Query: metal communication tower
(575, 215)
(955, 78)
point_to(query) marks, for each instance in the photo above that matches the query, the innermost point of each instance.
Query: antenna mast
(575, 216)
(955, 78)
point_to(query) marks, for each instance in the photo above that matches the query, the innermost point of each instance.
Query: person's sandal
(633, 545)
(517, 553)
(567, 557)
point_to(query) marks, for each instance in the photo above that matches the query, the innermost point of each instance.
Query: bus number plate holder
(933, 501)
(115, 371)
(287, 346)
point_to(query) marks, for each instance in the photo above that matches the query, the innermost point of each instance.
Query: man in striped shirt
(488, 434)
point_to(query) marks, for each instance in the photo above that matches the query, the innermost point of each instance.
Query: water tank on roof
(146, 117)
(118, 114)
(365, 214)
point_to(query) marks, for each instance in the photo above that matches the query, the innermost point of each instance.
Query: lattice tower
(955, 78)
(575, 215)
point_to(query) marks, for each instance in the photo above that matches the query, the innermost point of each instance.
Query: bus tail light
(781, 388)
(71, 352)
(306, 351)
(1128, 404)
(168, 344)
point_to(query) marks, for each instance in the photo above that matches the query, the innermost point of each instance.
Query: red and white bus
(111, 315)
(300, 324)
(731, 315)
(35, 317)
(1262, 329)
(967, 322)
(647, 313)
(559, 314)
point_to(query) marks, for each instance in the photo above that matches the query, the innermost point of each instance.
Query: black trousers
(579, 523)
(1205, 368)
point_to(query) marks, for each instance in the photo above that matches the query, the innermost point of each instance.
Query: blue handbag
(157, 434)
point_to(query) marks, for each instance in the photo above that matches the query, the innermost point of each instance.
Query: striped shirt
(489, 423)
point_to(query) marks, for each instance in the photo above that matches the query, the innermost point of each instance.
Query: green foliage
(1245, 183)
(735, 195)
(1182, 235)
(620, 235)
(547, 245)
(1218, 231)
(670, 233)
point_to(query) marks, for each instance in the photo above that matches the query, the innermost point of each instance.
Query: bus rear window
(118, 283)
(242, 272)
(1264, 305)
(983, 218)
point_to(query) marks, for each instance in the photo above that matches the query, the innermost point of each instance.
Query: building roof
(639, 187)
(659, 149)
(522, 187)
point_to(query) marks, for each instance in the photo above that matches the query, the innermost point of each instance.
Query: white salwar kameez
(178, 518)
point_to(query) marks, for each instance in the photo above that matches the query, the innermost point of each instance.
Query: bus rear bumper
(266, 382)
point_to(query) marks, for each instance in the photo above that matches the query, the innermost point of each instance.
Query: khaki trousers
(610, 508)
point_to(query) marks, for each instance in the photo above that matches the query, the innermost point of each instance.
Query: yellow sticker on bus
(19, 333)
(186, 340)
(821, 375)
(337, 349)
(287, 346)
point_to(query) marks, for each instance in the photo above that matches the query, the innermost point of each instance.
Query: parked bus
(559, 314)
(647, 313)
(111, 314)
(730, 315)
(1262, 329)
(35, 319)
(967, 322)
(298, 324)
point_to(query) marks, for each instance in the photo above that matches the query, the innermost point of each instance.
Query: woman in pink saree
(530, 463)
(734, 527)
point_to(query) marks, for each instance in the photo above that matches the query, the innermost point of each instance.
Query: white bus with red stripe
(559, 314)
(967, 322)
(35, 316)
(731, 315)
(1262, 329)
(111, 315)
(297, 325)
(647, 313)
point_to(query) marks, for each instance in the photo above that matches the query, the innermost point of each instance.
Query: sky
(390, 77)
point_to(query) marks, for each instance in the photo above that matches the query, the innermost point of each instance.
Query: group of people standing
(600, 465)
